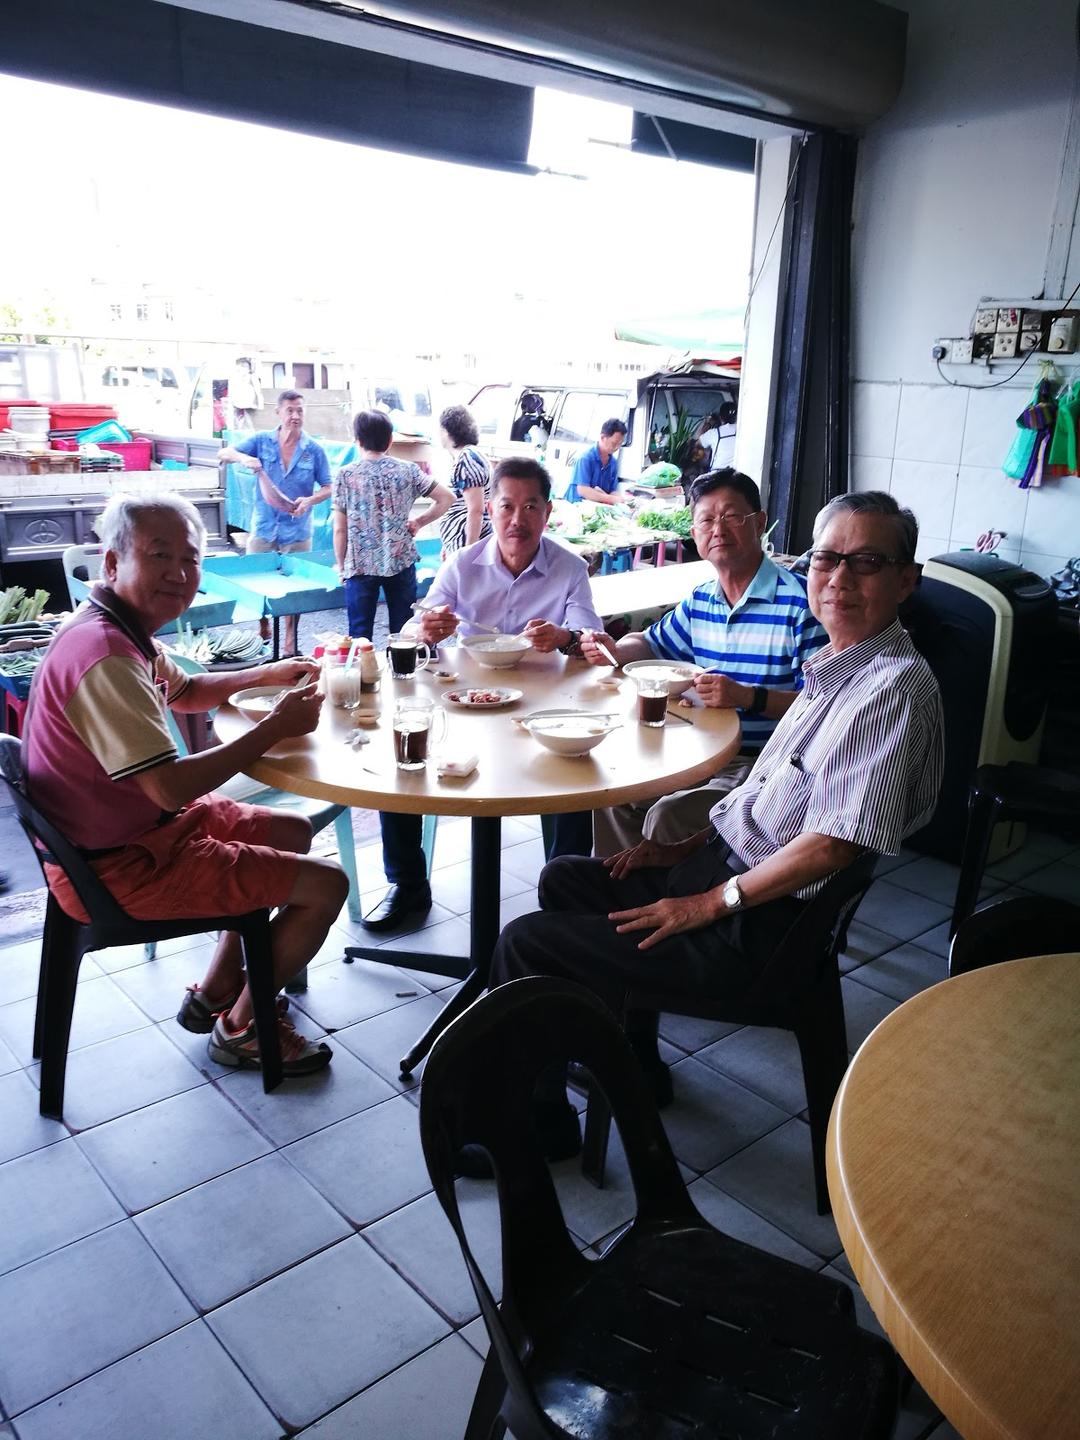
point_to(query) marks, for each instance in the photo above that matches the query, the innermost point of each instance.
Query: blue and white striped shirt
(765, 638)
(859, 756)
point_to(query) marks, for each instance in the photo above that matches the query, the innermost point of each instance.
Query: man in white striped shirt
(854, 765)
(751, 631)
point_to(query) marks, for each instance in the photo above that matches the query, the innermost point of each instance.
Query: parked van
(559, 422)
(556, 423)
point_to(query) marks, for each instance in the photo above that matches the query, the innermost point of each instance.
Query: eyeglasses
(733, 519)
(859, 562)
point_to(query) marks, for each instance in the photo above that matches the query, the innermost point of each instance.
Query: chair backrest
(81, 557)
(813, 936)
(514, 1033)
(1011, 929)
(48, 843)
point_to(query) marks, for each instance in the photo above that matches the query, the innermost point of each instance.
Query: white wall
(956, 191)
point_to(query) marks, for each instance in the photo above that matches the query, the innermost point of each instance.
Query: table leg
(277, 638)
(483, 933)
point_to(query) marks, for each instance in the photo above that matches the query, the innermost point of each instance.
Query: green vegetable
(675, 522)
(598, 520)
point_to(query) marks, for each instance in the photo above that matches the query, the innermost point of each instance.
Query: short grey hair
(875, 502)
(123, 514)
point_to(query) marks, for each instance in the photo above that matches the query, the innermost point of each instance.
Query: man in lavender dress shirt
(522, 582)
(854, 765)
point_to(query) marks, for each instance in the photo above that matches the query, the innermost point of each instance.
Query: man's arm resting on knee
(803, 860)
(177, 782)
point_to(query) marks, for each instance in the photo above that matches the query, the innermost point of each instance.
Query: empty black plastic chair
(65, 941)
(1013, 929)
(798, 989)
(677, 1330)
(1010, 792)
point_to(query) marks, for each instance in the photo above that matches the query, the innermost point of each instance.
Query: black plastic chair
(1011, 929)
(1010, 792)
(798, 989)
(677, 1330)
(65, 941)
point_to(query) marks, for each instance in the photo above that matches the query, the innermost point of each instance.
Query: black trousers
(572, 937)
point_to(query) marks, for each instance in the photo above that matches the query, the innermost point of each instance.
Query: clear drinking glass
(419, 725)
(405, 655)
(652, 699)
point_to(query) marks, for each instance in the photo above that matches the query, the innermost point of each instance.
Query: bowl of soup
(679, 674)
(497, 652)
(570, 733)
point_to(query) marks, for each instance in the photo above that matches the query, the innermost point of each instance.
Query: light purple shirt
(476, 585)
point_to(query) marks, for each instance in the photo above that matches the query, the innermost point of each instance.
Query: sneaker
(299, 1056)
(198, 1015)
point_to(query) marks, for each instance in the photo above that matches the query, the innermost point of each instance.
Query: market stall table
(273, 585)
(639, 597)
(954, 1174)
(515, 777)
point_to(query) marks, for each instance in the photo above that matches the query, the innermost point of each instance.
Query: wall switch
(961, 352)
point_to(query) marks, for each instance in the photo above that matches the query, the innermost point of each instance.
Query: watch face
(732, 894)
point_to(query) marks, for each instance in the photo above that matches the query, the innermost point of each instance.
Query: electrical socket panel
(957, 352)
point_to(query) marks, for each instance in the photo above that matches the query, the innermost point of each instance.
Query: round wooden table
(954, 1173)
(515, 775)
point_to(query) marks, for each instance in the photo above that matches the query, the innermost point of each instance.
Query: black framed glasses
(731, 519)
(859, 562)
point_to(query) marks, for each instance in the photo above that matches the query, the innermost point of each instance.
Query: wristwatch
(733, 897)
(573, 645)
(758, 701)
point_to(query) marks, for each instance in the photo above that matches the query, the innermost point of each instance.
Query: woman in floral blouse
(373, 535)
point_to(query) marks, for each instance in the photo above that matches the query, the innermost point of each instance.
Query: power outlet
(961, 352)
(941, 350)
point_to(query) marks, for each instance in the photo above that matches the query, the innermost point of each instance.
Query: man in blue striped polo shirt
(750, 630)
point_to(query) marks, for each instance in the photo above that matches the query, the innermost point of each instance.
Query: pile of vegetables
(17, 607)
(233, 646)
(23, 663)
(674, 522)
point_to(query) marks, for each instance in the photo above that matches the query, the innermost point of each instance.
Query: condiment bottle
(370, 678)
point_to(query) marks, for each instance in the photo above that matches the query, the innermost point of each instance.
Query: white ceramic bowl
(569, 733)
(257, 701)
(497, 652)
(679, 675)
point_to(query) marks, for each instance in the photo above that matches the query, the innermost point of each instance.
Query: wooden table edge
(965, 1410)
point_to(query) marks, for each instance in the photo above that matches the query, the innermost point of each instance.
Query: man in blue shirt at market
(292, 476)
(596, 473)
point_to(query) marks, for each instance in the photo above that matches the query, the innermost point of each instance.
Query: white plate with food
(479, 697)
(258, 700)
(679, 674)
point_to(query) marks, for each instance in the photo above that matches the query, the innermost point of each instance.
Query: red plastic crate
(79, 416)
(9, 405)
(137, 454)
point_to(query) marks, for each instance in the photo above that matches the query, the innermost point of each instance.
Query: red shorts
(211, 859)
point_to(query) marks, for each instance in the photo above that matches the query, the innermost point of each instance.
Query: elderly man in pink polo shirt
(101, 764)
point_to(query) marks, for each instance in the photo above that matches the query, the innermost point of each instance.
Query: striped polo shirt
(858, 756)
(765, 638)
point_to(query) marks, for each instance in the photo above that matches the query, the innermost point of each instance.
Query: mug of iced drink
(405, 658)
(419, 725)
(652, 698)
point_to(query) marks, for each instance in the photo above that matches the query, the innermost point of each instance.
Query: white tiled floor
(187, 1257)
